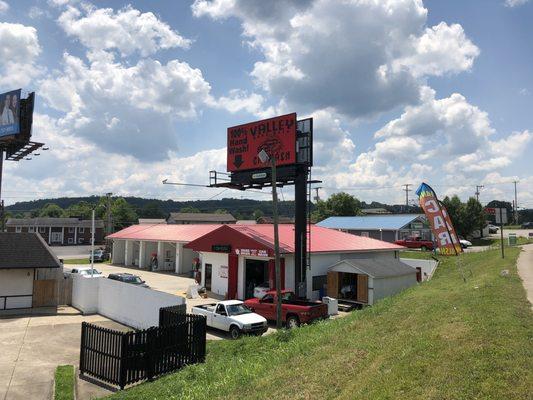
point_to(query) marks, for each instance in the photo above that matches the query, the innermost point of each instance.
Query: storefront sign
(251, 252)
(221, 248)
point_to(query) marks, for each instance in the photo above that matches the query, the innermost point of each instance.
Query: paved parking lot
(34, 345)
(165, 282)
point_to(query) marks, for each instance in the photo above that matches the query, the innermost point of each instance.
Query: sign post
(501, 231)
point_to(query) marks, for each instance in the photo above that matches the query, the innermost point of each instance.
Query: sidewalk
(525, 270)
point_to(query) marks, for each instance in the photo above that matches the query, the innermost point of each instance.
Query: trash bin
(333, 305)
(512, 239)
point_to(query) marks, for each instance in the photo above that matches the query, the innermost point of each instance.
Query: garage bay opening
(255, 276)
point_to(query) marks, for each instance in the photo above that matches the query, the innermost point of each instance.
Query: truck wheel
(292, 322)
(234, 332)
(423, 248)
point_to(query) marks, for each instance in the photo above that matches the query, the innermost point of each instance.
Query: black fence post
(150, 354)
(82, 347)
(123, 368)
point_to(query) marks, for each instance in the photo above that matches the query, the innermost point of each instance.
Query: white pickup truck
(232, 316)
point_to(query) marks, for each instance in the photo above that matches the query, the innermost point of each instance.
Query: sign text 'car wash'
(277, 136)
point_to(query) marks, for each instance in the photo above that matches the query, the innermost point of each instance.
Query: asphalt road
(525, 270)
(72, 252)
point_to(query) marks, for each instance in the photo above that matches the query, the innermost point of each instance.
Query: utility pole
(477, 191)
(407, 190)
(515, 204)
(1, 201)
(109, 223)
(92, 244)
(317, 197)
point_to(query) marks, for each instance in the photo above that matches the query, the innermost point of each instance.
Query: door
(362, 288)
(333, 284)
(56, 237)
(220, 318)
(208, 276)
(266, 307)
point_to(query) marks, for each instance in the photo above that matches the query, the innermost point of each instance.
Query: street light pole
(92, 245)
(276, 244)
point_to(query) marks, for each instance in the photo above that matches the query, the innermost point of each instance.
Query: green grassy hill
(445, 339)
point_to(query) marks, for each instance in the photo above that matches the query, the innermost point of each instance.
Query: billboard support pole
(279, 320)
(300, 229)
(501, 231)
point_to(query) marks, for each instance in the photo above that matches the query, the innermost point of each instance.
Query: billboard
(439, 220)
(277, 136)
(10, 113)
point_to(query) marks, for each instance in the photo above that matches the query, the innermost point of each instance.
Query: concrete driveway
(33, 346)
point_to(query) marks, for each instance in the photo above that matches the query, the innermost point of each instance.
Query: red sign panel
(277, 136)
(490, 210)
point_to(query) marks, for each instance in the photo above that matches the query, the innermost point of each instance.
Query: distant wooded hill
(240, 208)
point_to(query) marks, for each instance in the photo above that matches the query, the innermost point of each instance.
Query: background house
(383, 227)
(179, 218)
(152, 221)
(59, 231)
(30, 273)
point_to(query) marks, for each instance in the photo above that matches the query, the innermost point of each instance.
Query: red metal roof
(322, 239)
(170, 233)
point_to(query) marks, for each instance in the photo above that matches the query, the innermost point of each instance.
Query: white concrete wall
(219, 285)
(388, 286)
(427, 266)
(15, 282)
(85, 293)
(119, 252)
(128, 304)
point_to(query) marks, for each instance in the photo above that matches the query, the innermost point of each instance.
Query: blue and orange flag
(439, 220)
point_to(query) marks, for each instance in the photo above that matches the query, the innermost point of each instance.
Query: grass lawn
(444, 339)
(64, 382)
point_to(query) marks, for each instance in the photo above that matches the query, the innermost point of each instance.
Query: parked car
(415, 243)
(128, 278)
(493, 228)
(527, 225)
(465, 243)
(100, 255)
(232, 316)
(294, 312)
(85, 271)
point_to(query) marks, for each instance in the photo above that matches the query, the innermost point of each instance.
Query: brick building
(59, 231)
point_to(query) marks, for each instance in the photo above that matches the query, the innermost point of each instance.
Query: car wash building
(139, 245)
(237, 261)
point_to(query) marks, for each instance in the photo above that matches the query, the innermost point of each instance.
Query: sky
(401, 91)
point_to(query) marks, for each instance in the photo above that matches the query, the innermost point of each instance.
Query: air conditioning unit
(333, 305)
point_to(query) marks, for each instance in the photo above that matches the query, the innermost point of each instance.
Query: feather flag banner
(439, 220)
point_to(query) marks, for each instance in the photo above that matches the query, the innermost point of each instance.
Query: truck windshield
(288, 296)
(238, 309)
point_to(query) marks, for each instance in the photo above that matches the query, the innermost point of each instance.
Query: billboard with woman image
(10, 113)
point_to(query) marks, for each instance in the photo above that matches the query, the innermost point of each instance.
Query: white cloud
(3, 6)
(358, 57)
(126, 30)
(19, 49)
(126, 109)
(515, 3)
(524, 92)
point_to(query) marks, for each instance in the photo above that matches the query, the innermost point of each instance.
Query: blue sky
(130, 93)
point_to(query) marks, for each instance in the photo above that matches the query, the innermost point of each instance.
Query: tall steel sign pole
(279, 318)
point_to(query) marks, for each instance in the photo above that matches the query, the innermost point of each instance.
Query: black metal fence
(122, 358)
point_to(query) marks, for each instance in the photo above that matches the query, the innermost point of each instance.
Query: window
(80, 240)
(31, 229)
(320, 282)
(268, 299)
(70, 241)
(18, 229)
(221, 309)
(70, 230)
(81, 230)
(364, 234)
(42, 229)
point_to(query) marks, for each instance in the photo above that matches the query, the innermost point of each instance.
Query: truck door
(267, 308)
(220, 318)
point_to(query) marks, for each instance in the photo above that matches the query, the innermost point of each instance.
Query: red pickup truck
(416, 243)
(294, 312)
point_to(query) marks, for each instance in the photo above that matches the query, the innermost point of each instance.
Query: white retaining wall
(427, 267)
(128, 304)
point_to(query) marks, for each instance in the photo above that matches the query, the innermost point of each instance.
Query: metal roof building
(383, 227)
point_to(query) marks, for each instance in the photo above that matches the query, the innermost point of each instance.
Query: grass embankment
(422, 255)
(64, 382)
(445, 339)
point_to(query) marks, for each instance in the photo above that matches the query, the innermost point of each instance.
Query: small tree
(152, 210)
(339, 204)
(189, 210)
(51, 210)
(123, 213)
(258, 214)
